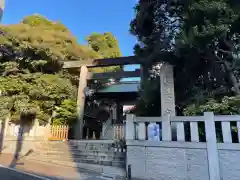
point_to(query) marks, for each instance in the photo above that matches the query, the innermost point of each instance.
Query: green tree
(199, 37)
(32, 81)
(37, 33)
(104, 44)
(153, 45)
(107, 46)
(66, 112)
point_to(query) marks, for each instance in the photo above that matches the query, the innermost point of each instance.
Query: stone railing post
(130, 130)
(213, 161)
(166, 128)
(141, 131)
(81, 100)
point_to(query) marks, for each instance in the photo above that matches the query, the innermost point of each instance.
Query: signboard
(153, 132)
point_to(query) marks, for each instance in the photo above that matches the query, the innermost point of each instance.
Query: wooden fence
(58, 132)
(119, 131)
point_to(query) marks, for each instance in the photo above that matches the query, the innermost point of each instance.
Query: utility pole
(2, 3)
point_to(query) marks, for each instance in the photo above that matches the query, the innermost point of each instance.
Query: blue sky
(82, 17)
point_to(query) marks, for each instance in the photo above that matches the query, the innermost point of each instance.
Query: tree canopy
(39, 33)
(104, 44)
(32, 81)
(200, 38)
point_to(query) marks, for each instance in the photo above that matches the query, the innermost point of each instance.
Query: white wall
(181, 160)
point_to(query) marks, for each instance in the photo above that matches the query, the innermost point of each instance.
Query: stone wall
(167, 162)
(229, 164)
(12, 130)
(180, 160)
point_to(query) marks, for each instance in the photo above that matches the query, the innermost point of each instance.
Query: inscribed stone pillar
(81, 100)
(167, 91)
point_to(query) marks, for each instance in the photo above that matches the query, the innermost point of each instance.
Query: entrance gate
(166, 82)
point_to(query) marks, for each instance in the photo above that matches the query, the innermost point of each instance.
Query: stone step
(73, 147)
(82, 144)
(55, 149)
(119, 171)
(80, 155)
(75, 156)
(72, 150)
(76, 152)
(115, 163)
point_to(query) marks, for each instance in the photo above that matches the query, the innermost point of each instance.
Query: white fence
(136, 135)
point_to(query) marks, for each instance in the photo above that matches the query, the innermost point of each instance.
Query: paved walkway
(46, 170)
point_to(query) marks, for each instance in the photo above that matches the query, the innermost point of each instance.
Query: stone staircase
(102, 156)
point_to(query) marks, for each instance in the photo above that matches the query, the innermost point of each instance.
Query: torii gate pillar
(81, 101)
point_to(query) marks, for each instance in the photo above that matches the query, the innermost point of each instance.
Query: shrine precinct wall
(181, 160)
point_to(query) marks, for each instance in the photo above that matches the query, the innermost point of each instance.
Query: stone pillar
(167, 91)
(114, 114)
(81, 101)
(167, 101)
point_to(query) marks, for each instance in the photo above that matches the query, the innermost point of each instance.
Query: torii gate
(166, 79)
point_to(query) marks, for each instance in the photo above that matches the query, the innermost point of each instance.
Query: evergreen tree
(200, 38)
(32, 81)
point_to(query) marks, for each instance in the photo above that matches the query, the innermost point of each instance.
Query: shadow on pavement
(19, 143)
(9, 174)
(18, 147)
